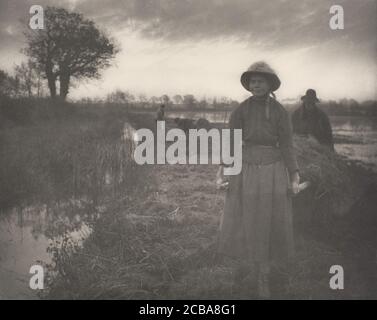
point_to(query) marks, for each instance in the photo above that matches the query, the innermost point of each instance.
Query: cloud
(271, 23)
(13, 18)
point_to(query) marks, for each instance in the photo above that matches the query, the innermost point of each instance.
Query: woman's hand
(295, 181)
(220, 175)
(221, 180)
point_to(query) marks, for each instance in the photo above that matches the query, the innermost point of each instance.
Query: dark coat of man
(311, 120)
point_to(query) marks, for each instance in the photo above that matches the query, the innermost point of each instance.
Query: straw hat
(261, 68)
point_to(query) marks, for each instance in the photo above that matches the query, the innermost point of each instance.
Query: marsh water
(30, 236)
(355, 136)
(27, 235)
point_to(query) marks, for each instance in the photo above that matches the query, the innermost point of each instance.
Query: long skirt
(257, 221)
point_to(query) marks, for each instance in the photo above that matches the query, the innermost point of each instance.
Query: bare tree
(70, 47)
(142, 98)
(154, 100)
(178, 99)
(4, 89)
(29, 77)
(9, 86)
(203, 104)
(189, 101)
(119, 96)
(165, 99)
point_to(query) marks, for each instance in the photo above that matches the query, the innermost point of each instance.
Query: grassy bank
(52, 152)
(161, 242)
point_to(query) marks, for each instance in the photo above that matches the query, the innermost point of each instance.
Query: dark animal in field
(202, 123)
(185, 124)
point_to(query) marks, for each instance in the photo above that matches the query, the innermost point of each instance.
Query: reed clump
(80, 156)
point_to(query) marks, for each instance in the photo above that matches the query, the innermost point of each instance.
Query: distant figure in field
(309, 119)
(185, 124)
(160, 115)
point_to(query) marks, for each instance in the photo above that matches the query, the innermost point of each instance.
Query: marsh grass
(160, 241)
(156, 233)
(60, 154)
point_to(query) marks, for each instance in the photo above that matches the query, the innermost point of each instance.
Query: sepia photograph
(190, 150)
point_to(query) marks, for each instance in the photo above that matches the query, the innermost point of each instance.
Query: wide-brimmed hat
(261, 68)
(311, 95)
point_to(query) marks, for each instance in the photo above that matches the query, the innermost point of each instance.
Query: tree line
(188, 101)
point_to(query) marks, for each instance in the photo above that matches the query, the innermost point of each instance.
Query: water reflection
(25, 235)
(211, 116)
(356, 138)
(31, 235)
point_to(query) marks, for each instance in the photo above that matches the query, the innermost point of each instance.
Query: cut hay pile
(336, 184)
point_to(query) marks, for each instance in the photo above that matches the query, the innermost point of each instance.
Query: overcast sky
(203, 46)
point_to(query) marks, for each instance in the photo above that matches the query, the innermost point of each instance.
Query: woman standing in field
(256, 226)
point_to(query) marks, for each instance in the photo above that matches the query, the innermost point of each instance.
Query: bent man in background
(309, 119)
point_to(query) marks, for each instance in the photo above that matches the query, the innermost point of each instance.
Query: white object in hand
(303, 186)
(300, 187)
(220, 182)
(222, 185)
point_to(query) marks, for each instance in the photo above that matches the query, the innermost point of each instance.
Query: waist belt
(260, 154)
